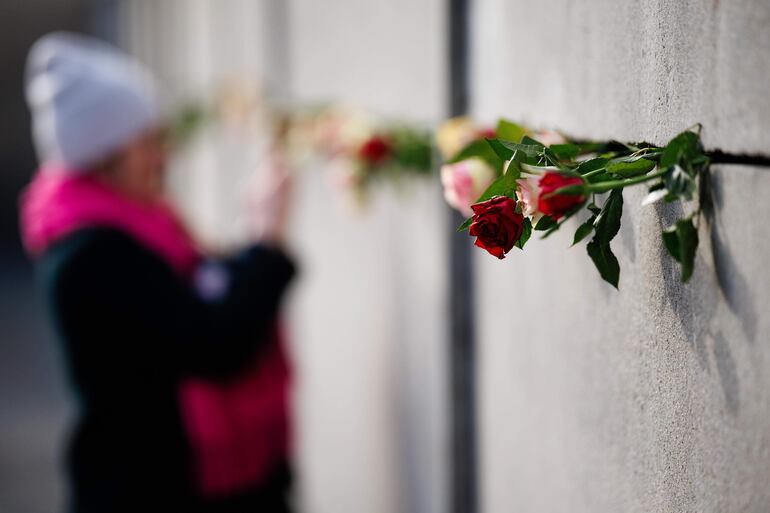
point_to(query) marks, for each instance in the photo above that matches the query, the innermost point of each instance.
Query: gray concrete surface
(656, 397)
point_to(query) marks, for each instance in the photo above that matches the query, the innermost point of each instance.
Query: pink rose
(465, 181)
(528, 191)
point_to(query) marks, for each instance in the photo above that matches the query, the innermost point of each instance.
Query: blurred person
(177, 360)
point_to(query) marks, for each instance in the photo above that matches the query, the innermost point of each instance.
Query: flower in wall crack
(465, 181)
(557, 205)
(496, 225)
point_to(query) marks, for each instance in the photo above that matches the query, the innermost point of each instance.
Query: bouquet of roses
(514, 184)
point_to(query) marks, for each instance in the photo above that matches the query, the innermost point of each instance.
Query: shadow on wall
(695, 302)
(728, 373)
(733, 285)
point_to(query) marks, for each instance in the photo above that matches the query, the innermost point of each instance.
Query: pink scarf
(238, 430)
(58, 202)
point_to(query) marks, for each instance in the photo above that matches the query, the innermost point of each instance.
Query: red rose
(374, 150)
(496, 225)
(557, 205)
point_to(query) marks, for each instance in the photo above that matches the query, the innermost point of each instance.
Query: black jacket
(132, 329)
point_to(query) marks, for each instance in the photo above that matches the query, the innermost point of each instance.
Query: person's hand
(270, 200)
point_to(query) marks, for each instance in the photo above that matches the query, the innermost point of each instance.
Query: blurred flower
(455, 134)
(496, 225)
(241, 105)
(342, 130)
(465, 181)
(374, 150)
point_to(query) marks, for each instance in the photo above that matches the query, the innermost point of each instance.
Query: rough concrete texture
(655, 397)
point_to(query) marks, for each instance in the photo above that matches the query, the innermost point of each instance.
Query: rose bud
(556, 205)
(465, 181)
(374, 150)
(496, 225)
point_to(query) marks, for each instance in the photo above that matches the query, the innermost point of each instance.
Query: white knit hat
(87, 99)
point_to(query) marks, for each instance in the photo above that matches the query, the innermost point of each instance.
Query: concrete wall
(656, 397)
(371, 311)
(652, 398)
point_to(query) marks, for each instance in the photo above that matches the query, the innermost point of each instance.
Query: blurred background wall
(33, 398)
(656, 397)
(369, 314)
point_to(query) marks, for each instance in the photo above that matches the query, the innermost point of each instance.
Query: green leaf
(500, 149)
(466, 224)
(528, 141)
(584, 230)
(679, 183)
(545, 223)
(629, 169)
(510, 131)
(606, 226)
(605, 261)
(681, 241)
(565, 151)
(500, 187)
(591, 165)
(504, 185)
(525, 234)
(682, 148)
(552, 159)
(607, 223)
(481, 149)
(532, 151)
(683, 159)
